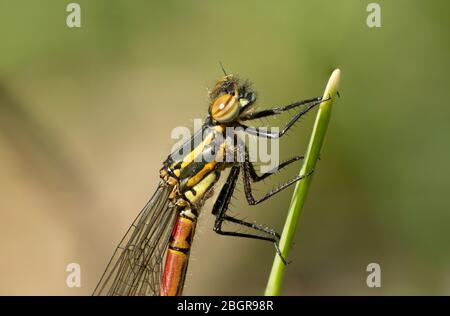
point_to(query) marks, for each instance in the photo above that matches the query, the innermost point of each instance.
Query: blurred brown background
(86, 116)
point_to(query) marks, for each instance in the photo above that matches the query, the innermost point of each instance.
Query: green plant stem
(301, 189)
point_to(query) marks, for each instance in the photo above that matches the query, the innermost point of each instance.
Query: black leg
(221, 206)
(241, 154)
(222, 201)
(264, 133)
(248, 190)
(255, 226)
(250, 174)
(277, 110)
(256, 178)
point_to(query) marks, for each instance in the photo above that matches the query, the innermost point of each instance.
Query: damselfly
(152, 257)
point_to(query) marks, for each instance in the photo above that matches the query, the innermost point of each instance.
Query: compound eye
(225, 108)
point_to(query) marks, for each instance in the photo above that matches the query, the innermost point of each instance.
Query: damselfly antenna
(223, 69)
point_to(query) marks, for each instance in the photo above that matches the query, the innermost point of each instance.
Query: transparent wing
(136, 266)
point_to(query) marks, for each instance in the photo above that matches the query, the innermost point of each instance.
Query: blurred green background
(86, 116)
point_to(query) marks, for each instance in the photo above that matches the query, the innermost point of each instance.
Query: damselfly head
(229, 99)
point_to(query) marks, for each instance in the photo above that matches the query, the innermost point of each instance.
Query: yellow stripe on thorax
(208, 167)
(200, 147)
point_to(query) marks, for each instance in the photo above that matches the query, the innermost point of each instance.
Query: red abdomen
(177, 257)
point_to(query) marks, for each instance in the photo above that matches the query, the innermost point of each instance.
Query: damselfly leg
(221, 206)
(311, 103)
(249, 175)
(280, 109)
(256, 178)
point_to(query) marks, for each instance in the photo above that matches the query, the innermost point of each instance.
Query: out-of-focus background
(86, 117)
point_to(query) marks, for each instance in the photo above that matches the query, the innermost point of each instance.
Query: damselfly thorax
(153, 256)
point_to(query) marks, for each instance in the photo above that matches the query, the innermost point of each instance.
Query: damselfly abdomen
(153, 256)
